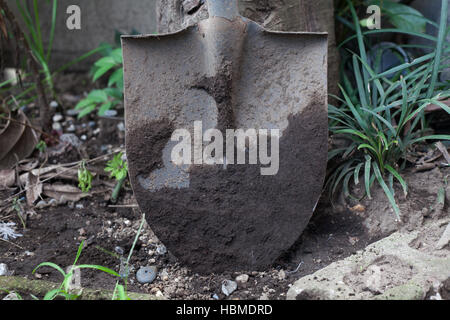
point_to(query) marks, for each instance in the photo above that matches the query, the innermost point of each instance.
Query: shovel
(256, 102)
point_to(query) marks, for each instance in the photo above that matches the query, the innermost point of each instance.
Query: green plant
(64, 290)
(41, 146)
(112, 95)
(383, 119)
(84, 178)
(40, 46)
(400, 15)
(118, 169)
(120, 290)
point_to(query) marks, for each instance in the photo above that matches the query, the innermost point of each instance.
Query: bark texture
(280, 15)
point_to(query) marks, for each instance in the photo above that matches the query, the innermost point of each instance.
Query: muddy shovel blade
(226, 74)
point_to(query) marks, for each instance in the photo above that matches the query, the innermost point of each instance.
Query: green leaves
(64, 289)
(380, 117)
(117, 167)
(84, 178)
(107, 98)
(402, 16)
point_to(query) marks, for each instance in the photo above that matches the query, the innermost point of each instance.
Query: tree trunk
(280, 15)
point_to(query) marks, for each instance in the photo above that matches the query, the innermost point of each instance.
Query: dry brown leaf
(7, 178)
(63, 193)
(34, 189)
(37, 172)
(443, 150)
(28, 165)
(17, 140)
(358, 208)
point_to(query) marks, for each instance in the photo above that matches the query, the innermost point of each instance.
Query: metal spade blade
(228, 73)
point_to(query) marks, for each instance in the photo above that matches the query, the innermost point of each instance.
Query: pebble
(57, 126)
(215, 297)
(3, 270)
(92, 124)
(73, 113)
(110, 113)
(84, 137)
(53, 202)
(121, 127)
(228, 287)
(243, 278)
(146, 274)
(119, 250)
(70, 139)
(282, 275)
(71, 128)
(41, 204)
(54, 104)
(161, 250)
(58, 117)
(79, 206)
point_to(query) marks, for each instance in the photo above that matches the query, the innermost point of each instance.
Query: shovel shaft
(227, 9)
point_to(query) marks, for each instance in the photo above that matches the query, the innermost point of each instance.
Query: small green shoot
(84, 178)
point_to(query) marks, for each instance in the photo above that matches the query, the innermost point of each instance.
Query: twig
(124, 206)
(12, 243)
(63, 171)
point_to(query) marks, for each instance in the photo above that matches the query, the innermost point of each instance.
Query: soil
(54, 235)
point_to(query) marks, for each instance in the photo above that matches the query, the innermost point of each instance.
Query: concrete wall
(99, 21)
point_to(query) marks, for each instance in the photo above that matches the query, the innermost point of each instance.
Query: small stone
(41, 204)
(161, 250)
(110, 113)
(243, 278)
(146, 274)
(92, 124)
(228, 287)
(54, 104)
(57, 126)
(121, 127)
(282, 275)
(79, 206)
(73, 113)
(119, 250)
(159, 294)
(82, 232)
(70, 139)
(58, 117)
(53, 202)
(3, 270)
(71, 128)
(215, 296)
(83, 137)
(38, 275)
